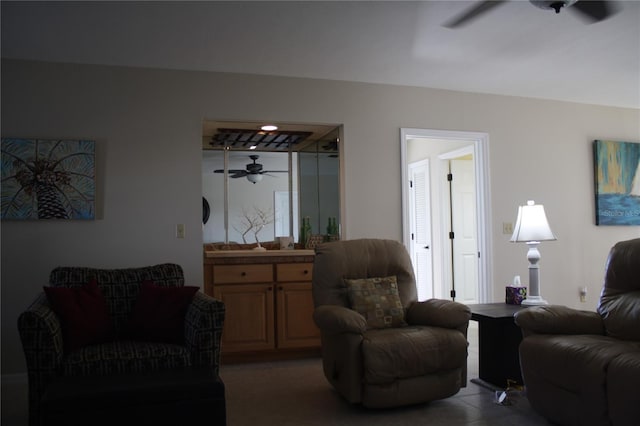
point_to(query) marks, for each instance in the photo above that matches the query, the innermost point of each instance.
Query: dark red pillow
(158, 314)
(84, 315)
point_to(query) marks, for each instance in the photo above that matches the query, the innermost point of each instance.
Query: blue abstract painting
(617, 181)
(47, 179)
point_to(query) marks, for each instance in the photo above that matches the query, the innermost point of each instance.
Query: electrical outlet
(507, 228)
(583, 294)
(180, 230)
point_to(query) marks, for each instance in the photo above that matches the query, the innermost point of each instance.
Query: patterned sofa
(41, 332)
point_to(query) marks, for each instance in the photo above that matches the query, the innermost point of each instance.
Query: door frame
(480, 142)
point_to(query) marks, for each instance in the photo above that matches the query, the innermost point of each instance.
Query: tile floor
(295, 393)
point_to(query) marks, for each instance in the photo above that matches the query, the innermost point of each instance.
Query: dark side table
(498, 341)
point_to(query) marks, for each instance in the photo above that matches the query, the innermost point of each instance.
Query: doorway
(461, 263)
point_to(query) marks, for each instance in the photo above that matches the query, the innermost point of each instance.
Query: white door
(420, 225)
(465, 242)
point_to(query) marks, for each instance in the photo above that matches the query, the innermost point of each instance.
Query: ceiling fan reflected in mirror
(253, 172)
(591, 10)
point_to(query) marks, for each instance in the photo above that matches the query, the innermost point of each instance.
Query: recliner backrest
(619, 303)
(363, 258)
(120, 287)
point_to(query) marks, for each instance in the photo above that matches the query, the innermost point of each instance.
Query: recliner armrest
(334, 319)
(439, 312)
(556, 319)
(204, 321)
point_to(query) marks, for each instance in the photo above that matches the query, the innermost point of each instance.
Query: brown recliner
(583, 368)
(424, 360)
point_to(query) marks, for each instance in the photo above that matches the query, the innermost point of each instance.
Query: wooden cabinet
(249, 317)
(295, 326)
(269, 307)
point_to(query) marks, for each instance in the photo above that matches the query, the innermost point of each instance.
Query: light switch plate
(507, 228)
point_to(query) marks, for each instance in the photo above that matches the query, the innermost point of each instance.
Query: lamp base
(534, 301)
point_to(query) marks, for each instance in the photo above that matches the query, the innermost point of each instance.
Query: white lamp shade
(532, 224)
(253, 178)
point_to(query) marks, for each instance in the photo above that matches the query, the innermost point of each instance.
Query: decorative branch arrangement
(254, 222)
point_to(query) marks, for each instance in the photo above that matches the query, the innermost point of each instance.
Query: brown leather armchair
(422, 358)
(583, 368)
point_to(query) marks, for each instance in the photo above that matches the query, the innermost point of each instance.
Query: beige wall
(148, 124)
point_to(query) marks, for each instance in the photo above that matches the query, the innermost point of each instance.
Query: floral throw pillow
(378, 300)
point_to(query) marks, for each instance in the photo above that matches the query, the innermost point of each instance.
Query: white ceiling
(515, 49)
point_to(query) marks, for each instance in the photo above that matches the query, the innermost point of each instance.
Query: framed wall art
(47, 179)
(617, 182)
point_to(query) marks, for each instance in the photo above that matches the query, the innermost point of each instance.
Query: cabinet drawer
(231, 274)
(294, 271)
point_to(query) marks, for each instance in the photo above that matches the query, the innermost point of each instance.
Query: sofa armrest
(334, 319)
(203, 330)
(556, 319)
(440, 313)
(41, 336)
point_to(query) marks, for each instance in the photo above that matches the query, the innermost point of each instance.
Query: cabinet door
(208, 279)
(248, 324)
(296, 328)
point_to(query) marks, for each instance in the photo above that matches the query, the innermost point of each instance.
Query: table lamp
(531, 228)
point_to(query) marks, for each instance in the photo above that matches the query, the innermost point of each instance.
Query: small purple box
(515, 295)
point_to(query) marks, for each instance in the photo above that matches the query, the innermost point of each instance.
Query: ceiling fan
(253, 172)
(592, 10)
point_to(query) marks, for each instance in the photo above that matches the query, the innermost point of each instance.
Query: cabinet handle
(269, 288)
(243, 274)
(280, 288)
(305, 272)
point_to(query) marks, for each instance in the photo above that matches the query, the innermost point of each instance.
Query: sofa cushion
(125, 356)
(378, 300)
(391, 354)
(83, 313)
(623, 377)
(620, 313)
(158, 314)
(619, 303)
(119, 286)
(571, 369)
(165, 398)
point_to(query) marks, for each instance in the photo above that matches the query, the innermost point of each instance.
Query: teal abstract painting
(617, 181)
(47, 179)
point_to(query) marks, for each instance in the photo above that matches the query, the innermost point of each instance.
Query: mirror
(319, 172)
(273, 179)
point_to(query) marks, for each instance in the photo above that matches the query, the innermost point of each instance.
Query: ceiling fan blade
(594, 11)
(239, 174)
(274, 171)
(473, 12)
(230, 171)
